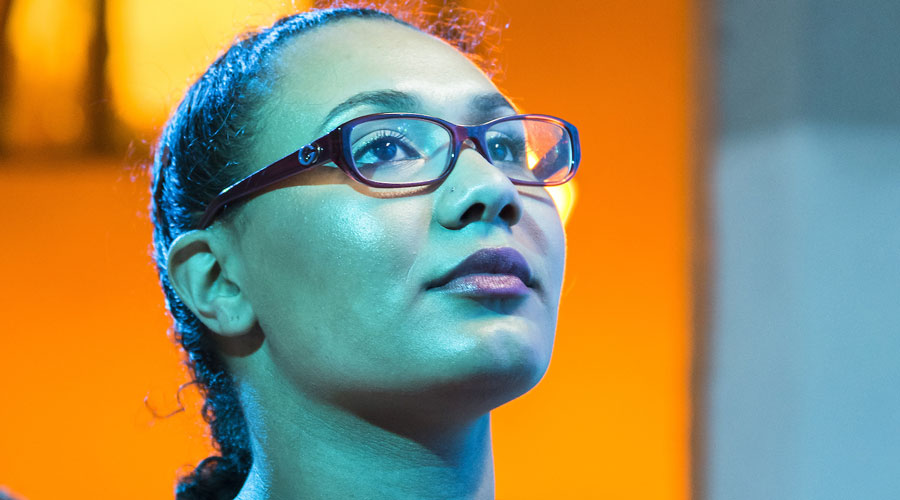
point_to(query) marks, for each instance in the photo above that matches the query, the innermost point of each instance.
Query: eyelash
(379, 135)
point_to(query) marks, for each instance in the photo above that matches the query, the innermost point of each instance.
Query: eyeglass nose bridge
(473, 135)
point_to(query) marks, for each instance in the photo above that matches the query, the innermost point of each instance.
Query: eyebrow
(484, 105)
(389, 99)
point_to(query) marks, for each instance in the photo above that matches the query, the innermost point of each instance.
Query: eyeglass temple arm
(263, 178)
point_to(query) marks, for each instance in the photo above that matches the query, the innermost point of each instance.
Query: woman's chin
(503, 355)
(457, 388)
(496, 359)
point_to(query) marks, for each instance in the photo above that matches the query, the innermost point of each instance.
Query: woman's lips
(490, 272)
(489, 285)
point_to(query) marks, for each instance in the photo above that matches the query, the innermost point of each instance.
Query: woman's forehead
(348, 61)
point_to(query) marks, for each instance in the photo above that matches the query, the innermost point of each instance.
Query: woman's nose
(477, 191)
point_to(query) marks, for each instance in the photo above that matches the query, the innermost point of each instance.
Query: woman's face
(339, 274)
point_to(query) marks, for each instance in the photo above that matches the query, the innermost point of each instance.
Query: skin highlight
(356, 380)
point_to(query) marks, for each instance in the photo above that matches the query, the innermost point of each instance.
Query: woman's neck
(330, 454)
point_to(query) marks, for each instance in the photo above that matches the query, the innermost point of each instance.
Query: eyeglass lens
(407, 150)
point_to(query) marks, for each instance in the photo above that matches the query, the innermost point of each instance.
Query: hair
(200, 152)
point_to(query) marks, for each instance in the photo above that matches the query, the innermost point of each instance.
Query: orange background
(84, 336)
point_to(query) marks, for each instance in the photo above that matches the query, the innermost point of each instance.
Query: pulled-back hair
(200, 152)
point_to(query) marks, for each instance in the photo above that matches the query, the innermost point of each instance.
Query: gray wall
(804, 374)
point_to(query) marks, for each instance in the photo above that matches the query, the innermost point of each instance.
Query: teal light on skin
(356, 380)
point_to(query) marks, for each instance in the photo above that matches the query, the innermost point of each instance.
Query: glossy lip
(489, 271)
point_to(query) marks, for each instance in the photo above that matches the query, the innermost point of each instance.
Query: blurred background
(730, 321)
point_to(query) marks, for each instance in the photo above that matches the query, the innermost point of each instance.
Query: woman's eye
(384, 147)
(506, 149)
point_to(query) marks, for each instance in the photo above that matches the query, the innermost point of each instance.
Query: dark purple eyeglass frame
(335, 147)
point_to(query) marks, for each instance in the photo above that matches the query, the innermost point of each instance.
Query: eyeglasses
(395, 150)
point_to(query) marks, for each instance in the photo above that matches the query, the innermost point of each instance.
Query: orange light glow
(564, 198)
(49, 42)
(154, 54)
(532, 158)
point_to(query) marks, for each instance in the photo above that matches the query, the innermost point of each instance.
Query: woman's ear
(196, 271)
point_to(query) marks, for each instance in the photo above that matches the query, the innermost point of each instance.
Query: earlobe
(196, 271)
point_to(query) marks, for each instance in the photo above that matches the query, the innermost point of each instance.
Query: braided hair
(201, 151)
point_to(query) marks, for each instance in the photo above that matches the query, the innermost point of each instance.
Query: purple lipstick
(489, 272)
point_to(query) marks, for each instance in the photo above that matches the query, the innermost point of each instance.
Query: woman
(354, 310)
